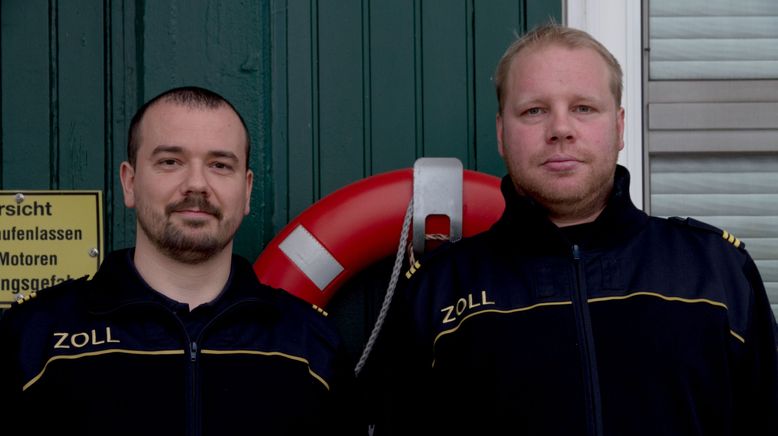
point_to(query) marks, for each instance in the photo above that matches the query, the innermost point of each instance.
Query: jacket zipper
(586, 339)
(194, 388)
(193, 352)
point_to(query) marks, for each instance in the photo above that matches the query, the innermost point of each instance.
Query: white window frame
(617, 25)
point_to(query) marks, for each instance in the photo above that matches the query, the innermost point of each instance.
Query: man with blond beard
(576, 313)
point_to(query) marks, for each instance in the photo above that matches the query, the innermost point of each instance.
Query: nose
(195, 181)
(560, 129)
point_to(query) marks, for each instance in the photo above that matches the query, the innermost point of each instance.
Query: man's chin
(194, 222)
(192, 250)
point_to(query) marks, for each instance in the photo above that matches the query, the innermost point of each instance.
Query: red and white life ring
(356, 226)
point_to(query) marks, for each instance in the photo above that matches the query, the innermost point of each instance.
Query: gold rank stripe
(657, 295)
(739, 338)
(319, 309)
(666, 298)
(591, 300)
(172, 352)
(730, 238)
(415, 267)
(500, 311)
(272, 353)
(96, 353)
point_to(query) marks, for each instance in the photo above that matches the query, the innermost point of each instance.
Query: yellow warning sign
(47, 237)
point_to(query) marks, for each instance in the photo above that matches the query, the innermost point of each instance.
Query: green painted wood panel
(392, 85)
(124, 59)
(26, 99)
(301, 120)
(341, 88)
(446, 85)
(80, 93)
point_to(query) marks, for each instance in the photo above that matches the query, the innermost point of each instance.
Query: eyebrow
(167, 149)
(175, 149)
(223, 154)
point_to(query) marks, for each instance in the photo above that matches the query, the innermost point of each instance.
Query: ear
(499, 136)
(127, 177)
(620, 127)
(249, 185)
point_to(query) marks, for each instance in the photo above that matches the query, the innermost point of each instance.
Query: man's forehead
(170, 106)
(158, 115)
(542, 50)
(526, 62)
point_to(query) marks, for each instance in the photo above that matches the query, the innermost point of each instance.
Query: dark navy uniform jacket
(108, 356)
(644, 326)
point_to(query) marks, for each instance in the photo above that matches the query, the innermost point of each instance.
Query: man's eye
(583, 109)
(533, 111)
(167, 162)
(221, 166)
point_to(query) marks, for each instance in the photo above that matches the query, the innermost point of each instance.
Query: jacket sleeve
(759, 408)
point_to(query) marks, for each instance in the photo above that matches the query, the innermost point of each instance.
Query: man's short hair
(555, 34)
(188, 96)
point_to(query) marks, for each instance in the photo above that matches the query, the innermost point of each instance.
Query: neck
(581, 212)
(193, 284)
(572, 219)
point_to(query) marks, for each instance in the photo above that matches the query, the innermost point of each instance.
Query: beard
(573, 201)
(578, 190)
(175, 241)
(572, 195)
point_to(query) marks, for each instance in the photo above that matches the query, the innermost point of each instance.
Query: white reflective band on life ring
(308, 254)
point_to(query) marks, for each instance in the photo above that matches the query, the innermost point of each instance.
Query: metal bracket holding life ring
(359, 224)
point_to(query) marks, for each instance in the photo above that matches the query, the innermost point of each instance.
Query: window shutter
(712, 120)
(713, 39)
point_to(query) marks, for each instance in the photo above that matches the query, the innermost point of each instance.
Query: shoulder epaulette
(691, 222)
(319, 310)
(412, 270)
(21, 297)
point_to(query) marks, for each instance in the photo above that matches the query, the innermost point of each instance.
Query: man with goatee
(174, 336)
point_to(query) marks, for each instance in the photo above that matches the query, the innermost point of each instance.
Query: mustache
(194, 202)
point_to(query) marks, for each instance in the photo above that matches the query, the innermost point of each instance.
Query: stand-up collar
(117, 283)
(526, 222)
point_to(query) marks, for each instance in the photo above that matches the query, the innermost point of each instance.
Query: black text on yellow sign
(47, 237)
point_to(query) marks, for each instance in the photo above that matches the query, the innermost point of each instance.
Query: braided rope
(430, 237)
(389, 290)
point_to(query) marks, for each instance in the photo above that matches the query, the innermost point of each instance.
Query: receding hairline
(555, 35)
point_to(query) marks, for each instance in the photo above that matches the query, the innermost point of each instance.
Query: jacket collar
(526, 222)
(117, 283)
